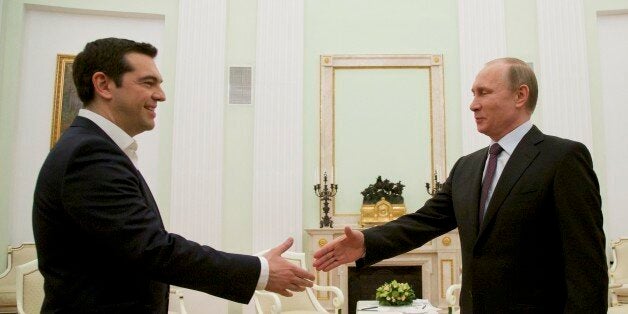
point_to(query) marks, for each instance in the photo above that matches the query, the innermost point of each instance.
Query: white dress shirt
(129, 147)
(123, 140)
(509, 142)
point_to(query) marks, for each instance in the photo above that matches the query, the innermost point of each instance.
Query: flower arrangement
(394, 293)
(383, 188)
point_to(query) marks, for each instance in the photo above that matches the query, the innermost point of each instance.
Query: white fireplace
(439, 260)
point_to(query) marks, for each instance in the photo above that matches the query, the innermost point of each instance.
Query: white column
(198, 131)
(482, 30)
(564, 99)
(278, 130)
(614, 66)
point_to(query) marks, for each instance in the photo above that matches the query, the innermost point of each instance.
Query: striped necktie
(493, 152)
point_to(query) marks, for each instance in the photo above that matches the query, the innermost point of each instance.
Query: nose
(474, 106)
(159, 95)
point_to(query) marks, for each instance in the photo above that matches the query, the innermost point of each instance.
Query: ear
(102, 85)
(521, 95)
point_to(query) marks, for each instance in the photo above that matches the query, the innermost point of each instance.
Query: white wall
(47, 34)
(1, 5)
(612, 32)
(1, 9)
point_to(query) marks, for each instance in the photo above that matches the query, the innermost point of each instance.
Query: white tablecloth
(418, 306)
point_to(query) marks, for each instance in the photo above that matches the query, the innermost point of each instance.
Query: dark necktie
(488, 178)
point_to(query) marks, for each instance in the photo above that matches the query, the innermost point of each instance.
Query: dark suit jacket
(541, 247)
(101, 243)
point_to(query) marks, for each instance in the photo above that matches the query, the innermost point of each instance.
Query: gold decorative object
(377, 205)
(446, 241)
(326, 192)
(443, 288)
(435, 187)
(436, 60)
(380, 213)
(66, 102)
(322, 242)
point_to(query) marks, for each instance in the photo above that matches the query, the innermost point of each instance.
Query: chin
(483, 131)
(149, 125)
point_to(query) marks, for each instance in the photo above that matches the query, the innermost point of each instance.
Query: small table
(418, 306)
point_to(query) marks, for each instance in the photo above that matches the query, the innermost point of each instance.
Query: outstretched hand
(342, 250)
(284, 276)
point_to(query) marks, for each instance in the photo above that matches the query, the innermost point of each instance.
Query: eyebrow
(480, 89)
(151, 78)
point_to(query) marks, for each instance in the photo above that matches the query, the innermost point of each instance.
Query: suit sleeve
(412, 230)
(103, 194)
(578, 205)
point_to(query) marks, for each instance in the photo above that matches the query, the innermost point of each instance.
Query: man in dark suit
(536, 245)
(101, 243)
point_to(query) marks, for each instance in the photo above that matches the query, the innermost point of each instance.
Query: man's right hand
(284, 276)
(342, 250)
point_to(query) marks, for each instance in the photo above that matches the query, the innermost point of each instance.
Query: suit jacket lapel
(521, 158)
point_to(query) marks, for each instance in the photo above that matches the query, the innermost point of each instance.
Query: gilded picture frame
(330, 64)
(66, 101)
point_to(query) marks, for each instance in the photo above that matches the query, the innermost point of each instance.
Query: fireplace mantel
(439, 260)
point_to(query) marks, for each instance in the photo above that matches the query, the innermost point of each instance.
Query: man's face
(496, 107)
(134, 102)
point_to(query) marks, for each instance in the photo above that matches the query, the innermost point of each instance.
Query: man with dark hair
(101, 243)
(527, 209)
(107, 56)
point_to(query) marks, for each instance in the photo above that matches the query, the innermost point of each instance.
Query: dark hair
(520, 73)
(105, 55)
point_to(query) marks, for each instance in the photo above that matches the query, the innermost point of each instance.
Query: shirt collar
(510, 141)
(121, 138)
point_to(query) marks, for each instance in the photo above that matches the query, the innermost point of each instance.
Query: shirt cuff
(263, 274)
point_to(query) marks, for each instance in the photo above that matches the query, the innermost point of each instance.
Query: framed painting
(66, 101)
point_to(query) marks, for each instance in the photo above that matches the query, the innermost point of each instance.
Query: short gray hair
(520, 73)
